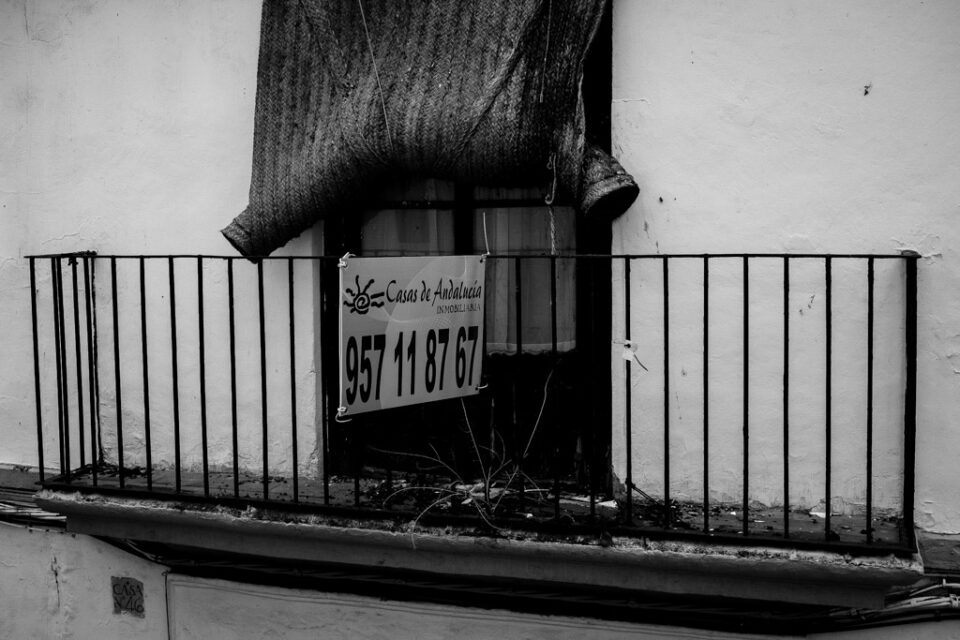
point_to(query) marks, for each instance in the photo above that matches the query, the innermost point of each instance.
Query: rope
(546, 49)
(486, 241)
(548, 199)
(553, 232)
(376, 73)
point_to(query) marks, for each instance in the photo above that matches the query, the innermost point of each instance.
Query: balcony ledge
(746, 572)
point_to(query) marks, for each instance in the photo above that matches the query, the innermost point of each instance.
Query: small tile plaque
(127, 596)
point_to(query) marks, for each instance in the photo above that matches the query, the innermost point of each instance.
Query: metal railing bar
(233, 382)
(628, 393)
(116, 369)
(174, 372)
(590, 439)
(59, 370)
(36, 366)
(525, 255)
(263, 385)
(745, 507)
(203, 380)
(828, 417)
(92, 386)
(518, 300)
(706, 395)
(553, 355)
(81, 440)
(293, 385)
(667, 513)
(146, 373)
(62, 372)
(482, 384)
(786, 398)
(910, 397)
(356, 448)
(326, 406)
(869, 453)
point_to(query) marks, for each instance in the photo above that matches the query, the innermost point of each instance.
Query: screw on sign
(127, 595)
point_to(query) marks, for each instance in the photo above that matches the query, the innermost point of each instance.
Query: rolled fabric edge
(247, 244)
(606, 190)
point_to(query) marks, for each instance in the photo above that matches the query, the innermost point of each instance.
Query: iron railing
(221, 393)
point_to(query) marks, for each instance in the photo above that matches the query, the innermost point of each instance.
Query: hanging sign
(411, 330)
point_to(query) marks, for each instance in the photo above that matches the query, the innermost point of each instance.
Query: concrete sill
(755, 573)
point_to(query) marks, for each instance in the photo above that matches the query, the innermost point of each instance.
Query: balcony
(758, 399)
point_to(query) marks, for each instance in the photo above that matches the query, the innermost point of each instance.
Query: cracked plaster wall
(793, 127)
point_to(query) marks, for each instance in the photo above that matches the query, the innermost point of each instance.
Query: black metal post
(518, 295)
(553, 356)
(327, 346)
(203, 379)
(786, 397)
(356, 454)
(870, 302)
(36, 366)
(62, 364)
(233, 381)
(57, 359)
(667, 512)
(263, 385)
(146, 373)
(92, 386)
(175, 373)
(293, 386)
(706, 394)
(116, 369)
(627, 393)
(828, 417)
(745, 507)
(910, 396)
(81, 440)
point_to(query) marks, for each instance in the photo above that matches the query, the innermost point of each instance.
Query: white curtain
(500, 231)
(411, 232)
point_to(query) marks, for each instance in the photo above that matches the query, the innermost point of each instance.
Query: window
(530, 407)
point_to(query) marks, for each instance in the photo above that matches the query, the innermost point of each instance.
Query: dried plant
(497, 478)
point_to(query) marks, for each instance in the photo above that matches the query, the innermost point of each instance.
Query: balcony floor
(437, 500)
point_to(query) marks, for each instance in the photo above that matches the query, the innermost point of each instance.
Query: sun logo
(362, 301)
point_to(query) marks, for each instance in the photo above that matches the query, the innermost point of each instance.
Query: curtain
(500, 231)
(485, 92)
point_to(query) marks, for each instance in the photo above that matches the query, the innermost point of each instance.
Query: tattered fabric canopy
(350, 92)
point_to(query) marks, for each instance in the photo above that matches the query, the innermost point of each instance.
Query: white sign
(411, 330)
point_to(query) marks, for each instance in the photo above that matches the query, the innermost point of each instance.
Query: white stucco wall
(58, 585)
(750, 121)
(201, 608)
(128, 128)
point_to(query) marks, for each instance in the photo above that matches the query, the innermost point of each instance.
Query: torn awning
(483, 91)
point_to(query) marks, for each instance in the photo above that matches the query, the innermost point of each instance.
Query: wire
(376, 74)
